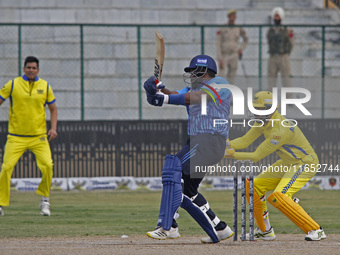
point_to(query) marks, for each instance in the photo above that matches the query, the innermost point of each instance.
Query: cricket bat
(159, 59)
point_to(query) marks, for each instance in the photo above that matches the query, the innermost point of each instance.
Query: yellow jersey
(281, 136)
(27, 116)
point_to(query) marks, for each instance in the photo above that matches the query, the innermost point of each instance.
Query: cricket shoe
(221, 234)
(266, 236)
(315, 235)
(2, 211)
(45, 208)
(162, 234)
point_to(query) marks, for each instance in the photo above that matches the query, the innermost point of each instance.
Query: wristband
(166, 99)
(178, 99)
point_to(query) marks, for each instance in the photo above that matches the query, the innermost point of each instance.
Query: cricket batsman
(298, 163)
(205, 146)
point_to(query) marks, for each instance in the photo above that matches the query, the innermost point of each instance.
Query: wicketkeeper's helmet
(263, 100)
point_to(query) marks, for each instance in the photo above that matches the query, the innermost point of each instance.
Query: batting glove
(150, 86)
(156, 99)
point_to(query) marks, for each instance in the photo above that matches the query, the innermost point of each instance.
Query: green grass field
(114, 213)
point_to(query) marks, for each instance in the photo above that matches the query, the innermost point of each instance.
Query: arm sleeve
(245, 39)
(183, 91)
(246, 140)
(5, 92)
(50, 96)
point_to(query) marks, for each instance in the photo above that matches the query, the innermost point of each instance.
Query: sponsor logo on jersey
(274, 142)
(40, 91)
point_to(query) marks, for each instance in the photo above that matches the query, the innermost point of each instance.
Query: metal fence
(97, 71)
(138, 148)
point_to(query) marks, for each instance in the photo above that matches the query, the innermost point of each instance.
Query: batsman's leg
(198, 207)
(171, 199)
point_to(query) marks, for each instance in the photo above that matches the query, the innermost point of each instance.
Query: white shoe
(315, 235)
(266, 236)
(221, 234)
(45, 208)
(2, 211)
(163, 234)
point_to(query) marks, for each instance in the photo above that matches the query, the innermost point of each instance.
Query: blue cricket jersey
(202, 124)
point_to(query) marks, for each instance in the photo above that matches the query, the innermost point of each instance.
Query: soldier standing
(280, 42)
(228, 50)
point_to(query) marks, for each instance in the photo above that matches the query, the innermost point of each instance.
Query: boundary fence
(138, 148)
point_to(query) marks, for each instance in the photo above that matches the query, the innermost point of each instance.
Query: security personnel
(28, 97)
(297, 165)
(228, 50)
(280, 42)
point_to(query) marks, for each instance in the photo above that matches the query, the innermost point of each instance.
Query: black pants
(201, 150)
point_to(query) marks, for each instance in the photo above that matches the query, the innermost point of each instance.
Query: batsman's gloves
(151, 87)
(156, 99)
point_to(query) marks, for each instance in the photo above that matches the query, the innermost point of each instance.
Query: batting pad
(258, 210)
(200, 217)
(293, 211)
(172, 191)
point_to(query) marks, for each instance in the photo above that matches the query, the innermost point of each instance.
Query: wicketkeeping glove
(150, 86)
(229, 151)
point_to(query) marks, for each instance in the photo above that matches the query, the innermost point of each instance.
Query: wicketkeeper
(297, 160)
(205, 147)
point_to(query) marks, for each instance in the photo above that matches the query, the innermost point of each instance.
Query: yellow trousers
(284, 177)
(15, 147)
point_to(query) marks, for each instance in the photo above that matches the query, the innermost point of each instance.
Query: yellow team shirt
(27, 116)
(289, 143)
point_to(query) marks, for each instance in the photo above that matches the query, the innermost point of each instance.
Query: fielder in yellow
(296, 166)
(28, 96)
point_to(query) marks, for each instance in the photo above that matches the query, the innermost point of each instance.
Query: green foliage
(116, 213)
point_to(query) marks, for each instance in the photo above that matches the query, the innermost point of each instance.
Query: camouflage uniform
(227, 50)
(280, 42)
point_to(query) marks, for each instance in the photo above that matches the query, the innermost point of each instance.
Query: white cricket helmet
(279, 11)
